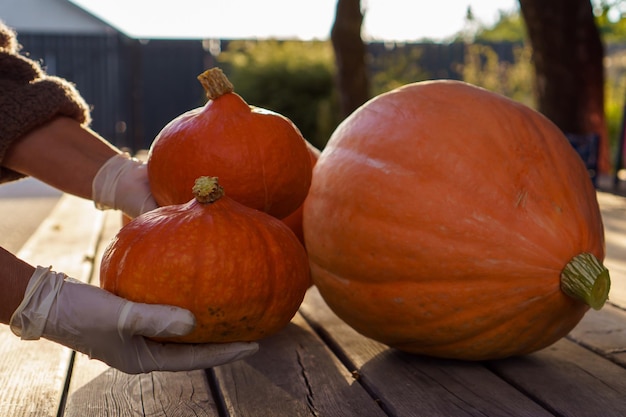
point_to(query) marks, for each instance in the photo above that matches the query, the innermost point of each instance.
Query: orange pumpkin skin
(440, 217)
(259, 156)
(241, 272)
(294, 220)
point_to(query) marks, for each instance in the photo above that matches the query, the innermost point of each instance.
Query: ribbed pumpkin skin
(241, 272)
(259, 156)
(439, 219)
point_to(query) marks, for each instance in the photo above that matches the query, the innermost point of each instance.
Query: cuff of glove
(29, 319)
(105, 182)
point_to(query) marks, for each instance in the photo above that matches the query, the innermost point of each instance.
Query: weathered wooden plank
(603, 331)
(569, 380)
(114, 393)
(413, 385)
(613, 208)
(33, 373)
(67, 238)
(97, 390)
(294, 374)
(23, 206)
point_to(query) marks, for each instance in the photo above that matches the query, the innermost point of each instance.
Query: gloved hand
(122, 184)
(114, 330)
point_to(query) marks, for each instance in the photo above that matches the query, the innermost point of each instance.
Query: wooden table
(317, 366)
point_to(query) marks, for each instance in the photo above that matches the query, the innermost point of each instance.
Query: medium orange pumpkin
(259, 156)
(446, 220)
(241, 272)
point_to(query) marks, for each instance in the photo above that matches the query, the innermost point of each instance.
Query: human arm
(44, 133)
(76, 160)
(39, 302)
(62, 153)
(47, 304)
(112, 329)
(109, 328)
(14, 275)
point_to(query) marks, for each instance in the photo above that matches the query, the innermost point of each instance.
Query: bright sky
(400, 20)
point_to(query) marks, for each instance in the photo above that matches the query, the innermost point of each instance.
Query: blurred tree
(352, 75)
(568, 57)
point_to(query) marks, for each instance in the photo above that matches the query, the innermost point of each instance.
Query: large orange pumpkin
(447, 220)
(242, 272)
(259, 156)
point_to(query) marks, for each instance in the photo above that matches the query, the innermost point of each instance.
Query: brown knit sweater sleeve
(29, 97)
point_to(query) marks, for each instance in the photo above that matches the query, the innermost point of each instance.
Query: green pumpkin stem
(584, 278)
(215, 83)
(207, 190)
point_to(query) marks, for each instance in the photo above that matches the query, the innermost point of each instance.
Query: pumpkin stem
(584, 278)
(207, 190)
(215, 83)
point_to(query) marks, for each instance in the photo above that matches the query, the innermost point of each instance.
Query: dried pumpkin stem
(586, 279)
(215, 83)
(207, 190)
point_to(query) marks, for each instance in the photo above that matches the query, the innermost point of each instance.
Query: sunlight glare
(398, 20)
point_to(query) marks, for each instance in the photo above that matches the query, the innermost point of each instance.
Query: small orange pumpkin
(446, 220)
(241, 272)
(259, 156)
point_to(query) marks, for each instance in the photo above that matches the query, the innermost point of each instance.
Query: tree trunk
(568, 56)
(352, 79)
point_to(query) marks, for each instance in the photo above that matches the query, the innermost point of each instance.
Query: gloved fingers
(187, 357)
(122, 183)
(105, 182)
(149, 204)
(135, 189)
(154, 320)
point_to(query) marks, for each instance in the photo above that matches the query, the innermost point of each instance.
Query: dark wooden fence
(134, 87)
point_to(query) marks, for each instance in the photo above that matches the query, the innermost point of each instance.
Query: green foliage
(610, 20)
(611, 23)
(292, 78)
(510, 27)
(483, 67)
(398, 67)
(615, 92)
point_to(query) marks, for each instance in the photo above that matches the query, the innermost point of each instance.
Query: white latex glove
(122, 184)
(93, 321)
